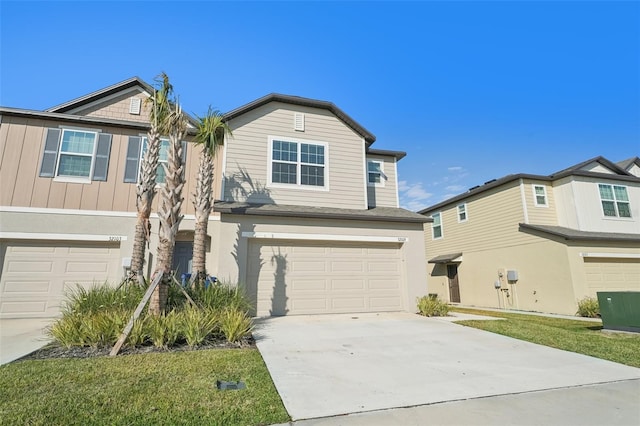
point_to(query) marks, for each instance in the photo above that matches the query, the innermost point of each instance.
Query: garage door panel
(325, 277)
(348, 284)
(612, 274)
(36, 274)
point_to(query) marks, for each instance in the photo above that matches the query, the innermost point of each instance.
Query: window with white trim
(77, 149)
(436, 226)
(462, 212)
(75, 155)
(375, 173)
(163, 158)
(540, 196)
(298, 163)
(614, 200)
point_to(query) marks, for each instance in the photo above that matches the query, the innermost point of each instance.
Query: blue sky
(472, 91)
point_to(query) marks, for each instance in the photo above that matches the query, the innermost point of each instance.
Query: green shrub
(235, 324)
(95, 329)
(67, 331)
(219, 297)
(588, 307)
(432, 307)
(197, 324)
(139, 334)
(102, 297)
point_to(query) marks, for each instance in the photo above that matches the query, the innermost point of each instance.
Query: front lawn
(570, 335)
(156, 388)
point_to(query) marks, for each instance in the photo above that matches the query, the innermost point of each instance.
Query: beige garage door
(612, 274)
(35, 274)
(313, 278)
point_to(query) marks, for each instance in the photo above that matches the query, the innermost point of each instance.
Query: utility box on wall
(620, 310)
(512, 276)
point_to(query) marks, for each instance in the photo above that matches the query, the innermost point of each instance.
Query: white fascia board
(62, 237)
(44, 210)
(324, 237)
(612, 255)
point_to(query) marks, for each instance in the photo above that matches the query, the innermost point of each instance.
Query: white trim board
(324, 237)
(61, 237)
(44, 210)
(612, 255)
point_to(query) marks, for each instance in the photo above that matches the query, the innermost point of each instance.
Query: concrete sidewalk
(332, 365)
(20, 337)
(606, 404)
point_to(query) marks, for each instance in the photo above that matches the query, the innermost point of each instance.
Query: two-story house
(538, 243)
(306, 217)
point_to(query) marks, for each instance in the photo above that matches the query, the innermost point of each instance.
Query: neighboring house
(538, 243)
(307, 218)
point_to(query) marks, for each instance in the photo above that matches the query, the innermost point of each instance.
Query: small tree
(160, 104)
(169, 208)
(209, 136)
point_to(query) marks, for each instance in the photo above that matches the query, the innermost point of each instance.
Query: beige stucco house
(538, 243)
(306, 215)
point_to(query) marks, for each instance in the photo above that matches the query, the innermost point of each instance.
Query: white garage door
(315, 278)
(612, 274)
(35, 274)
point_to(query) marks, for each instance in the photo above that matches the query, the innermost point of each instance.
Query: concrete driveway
(19, 337)
(332, 365)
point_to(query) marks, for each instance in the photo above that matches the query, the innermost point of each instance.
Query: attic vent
(134, 106)
(298, 121)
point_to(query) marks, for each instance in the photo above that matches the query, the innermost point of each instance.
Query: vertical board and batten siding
(22, 143)
(540, 215)
(248, 151)
(387, 195)
(492, 222)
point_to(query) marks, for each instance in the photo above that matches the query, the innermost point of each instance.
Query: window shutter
(133, 157)
(50, 155)
(298, 121)
(101, 165)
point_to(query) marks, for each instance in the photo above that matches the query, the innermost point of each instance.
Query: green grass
(584, 337)
(160, 388)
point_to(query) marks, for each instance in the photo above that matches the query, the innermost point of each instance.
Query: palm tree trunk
(202, 204)
(169, 211)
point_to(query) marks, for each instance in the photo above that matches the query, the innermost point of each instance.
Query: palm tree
(209, 136)
(170, 206)
(146, 187)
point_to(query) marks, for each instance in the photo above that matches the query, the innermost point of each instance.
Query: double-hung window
(298, 163)
(79, 155)
(163, 157)
(540, 196)
(614, 200)
(462, 212)
(436, 226)
(375, 173)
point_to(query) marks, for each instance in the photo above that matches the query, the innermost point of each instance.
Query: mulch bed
(52, 351)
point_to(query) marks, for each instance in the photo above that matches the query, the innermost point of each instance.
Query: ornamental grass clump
(235, 324)
(588, 307)
(432, 307)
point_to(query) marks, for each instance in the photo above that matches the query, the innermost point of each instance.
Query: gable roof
(98, 94)
(297, 100)
(626, 164)
(576, 235)
(576, 170)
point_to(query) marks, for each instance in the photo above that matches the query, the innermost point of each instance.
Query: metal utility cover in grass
(222, 385)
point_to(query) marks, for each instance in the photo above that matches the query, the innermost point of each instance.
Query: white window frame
(463, 212)
(83, 179)
(143, 141)
(383, 177)
(299, 164)
(434, 226)
(615, 201)
(535, 195)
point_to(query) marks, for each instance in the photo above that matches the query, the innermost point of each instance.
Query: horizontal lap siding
(387, 195)
(492, 223)
(248, 149)
(23, 142)
(118, 109)
(540, 215)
